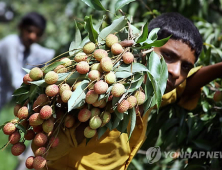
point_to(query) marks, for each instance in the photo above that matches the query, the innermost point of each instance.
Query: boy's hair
(180, 28)
(33, 19)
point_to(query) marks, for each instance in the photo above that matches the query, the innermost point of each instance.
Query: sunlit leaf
(122, 3)
(96, 4)
(153, 34)
(93, 35)
(144, 35)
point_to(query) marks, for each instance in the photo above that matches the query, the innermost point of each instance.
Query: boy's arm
(202, 77)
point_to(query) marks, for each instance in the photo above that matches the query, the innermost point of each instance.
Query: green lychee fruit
(69, 121)
(103, 104)
(67, 61)
(99, 54)
(82, 67)
(23, 112)
(36, 73)
(29, 162)
(40, 151)
(97, 66)
(66, 94)
(116, 49)
(27, 79)
(95, 112)
(94, 75)
(106, 116)
(29, 135)
(106, 64)
(111, 39)
(40, 139)
(91, 97)
(39, 162)
(100, 87)
(118, 90)
(98, 103)
(48, 125)
(128, 58)
(54, 141)
(123, 106)
(80, 57)
(89, 47)
(60, 69)
(95, 122)
(132, 101)
(89, 133)
(45, 112)
(52, 90)
(84, 115)
(110, 77)
(9, 128)
(140, 97)
(35, 119)
(18, 149)
(76, 85)
(51, 77)
(64, 87)
(14, 137)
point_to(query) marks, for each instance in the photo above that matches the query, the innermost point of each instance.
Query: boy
(16, 51)
(114, 151)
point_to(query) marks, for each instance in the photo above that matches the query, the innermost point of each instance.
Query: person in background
(21, 51)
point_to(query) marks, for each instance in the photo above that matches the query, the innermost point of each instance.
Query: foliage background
(197, 130)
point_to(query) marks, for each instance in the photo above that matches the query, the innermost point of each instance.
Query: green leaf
(20, 127)
(144, 35)
(135, 67)
(101, 131)
(26, 70)
(95, 4)
(99, 24)
(125, 122)
(52, 66)
(33, 92)
(134, 86)
(109, 125)
(24, 89)
(116, 26)
(119, 115)
(78, 96)
(157, 43)
(154, 65)
(122, 3)
(149, 93)
(123, 74)
(93, 35)
(132, 113)
(153, 34)
(203, 144)
(163, 76)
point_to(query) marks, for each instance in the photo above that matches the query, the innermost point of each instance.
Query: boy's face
(179, 59)
(30, 34)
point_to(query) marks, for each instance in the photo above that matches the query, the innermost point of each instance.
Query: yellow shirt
(112, 151)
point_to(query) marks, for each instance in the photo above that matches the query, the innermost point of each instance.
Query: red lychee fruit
(106, 116)
(37, 129)
(97, 66)
(89, 47)
(48, 125)
(39, 162)
(82, 67)
(128, 58)
(99, 54)
(41, 100)
(118, 89)
(40, 139)
(27, 79)
(91, 97)
(16, 109)
(110, 77)
(100, 87)
(67, 61)
(36, 73)
(51, 77)
(80, 57)
(14, 137)
(64, 87)
(52, 90)
(111, 39)
(116, 49)
(95, 112)
(95, 122)
(35, 119)
(106, 64)
(94, 75)
(89, 133)
(29, 162)
(54, 141)
(9, 128)
(40, 151)
(18, 149)
(217, 96)
(132, 101)
(23, 112)
(84, 115)
(60, 69)
(69, 121)
(45, 112)
(30, 134)
(140, 97)
(25, 123)
(123, 106)
(66, 94)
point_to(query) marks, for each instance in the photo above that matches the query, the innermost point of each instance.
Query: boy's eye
(166, 55)
(186, 67)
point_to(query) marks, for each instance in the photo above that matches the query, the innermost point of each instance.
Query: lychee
(16, 109)
(123, 106)
(128, 58)
(98, 103)
(41, 100)
(29, 162)
(40, 151)
(97, 66)
(91, 97)
(9, 128)
(23, 112)
(84, 115)
(66, 94)
(80, 57)
(103, 104)
(110, 77)
(111, 39)
(35, 119)
(37, 129)
(36, 73)
(99, 54)
(51, 77)
(60, 69)
(52, 90)
(76, 85)
(39, 162)
(29, 135)
(18, 149)
(48, 125)
(95, 112)
(118, 89)
(27, 79)
(89, 47)
(69, 121)
(106, 64)
(63, 87)
(95, 122)
(54, 141)
(132, 101)
(100, 87)
(82, 67)
(45, 112)
(106, 116)
(67, 61)
(89, 133)
(140, 97)
(14, 137)
(94, 75)
(24, 123)
(40, 139)
(116, 49)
